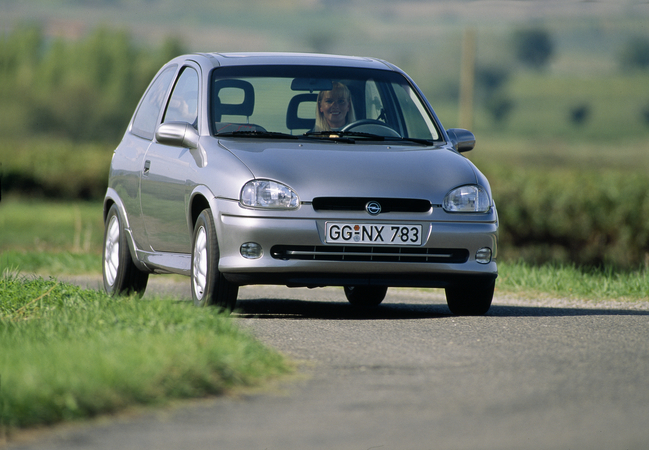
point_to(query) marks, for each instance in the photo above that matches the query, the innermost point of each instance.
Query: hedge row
(585, 217)
(569, 215)
(50, 168)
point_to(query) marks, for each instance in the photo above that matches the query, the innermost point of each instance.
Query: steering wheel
(371, 126)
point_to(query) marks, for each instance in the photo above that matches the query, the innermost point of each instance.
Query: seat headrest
(245, 108)
(293, 121)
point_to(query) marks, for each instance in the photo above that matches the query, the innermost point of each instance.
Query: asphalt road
(530, 375)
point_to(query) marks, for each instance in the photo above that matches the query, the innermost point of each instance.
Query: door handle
(147, 167)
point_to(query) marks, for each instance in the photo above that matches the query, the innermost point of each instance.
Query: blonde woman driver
(334, 109)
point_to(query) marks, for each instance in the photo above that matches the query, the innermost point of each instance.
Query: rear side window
(146, 117)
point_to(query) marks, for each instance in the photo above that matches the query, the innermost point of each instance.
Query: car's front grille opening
(358, 204)
(379, 254)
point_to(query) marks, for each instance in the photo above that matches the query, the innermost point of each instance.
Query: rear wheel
(121, 276)
(472, 299)
(209, 286)
(365, 296)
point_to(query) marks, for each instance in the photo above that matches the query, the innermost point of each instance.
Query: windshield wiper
(258, 133)
(337, 136)
(349, 135)
(415, 140)
(345, 134)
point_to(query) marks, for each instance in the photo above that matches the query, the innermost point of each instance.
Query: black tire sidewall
(218, 291)
(365, 296)
(470, 299)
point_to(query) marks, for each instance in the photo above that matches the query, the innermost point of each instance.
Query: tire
(121, 276)
(209, 286)
(472, 299)
(365, 296)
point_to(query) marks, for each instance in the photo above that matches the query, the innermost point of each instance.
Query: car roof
(307, 59)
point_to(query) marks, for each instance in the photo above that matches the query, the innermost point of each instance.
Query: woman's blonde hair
(338, 88)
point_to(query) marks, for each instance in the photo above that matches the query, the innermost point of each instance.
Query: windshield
(317, 102)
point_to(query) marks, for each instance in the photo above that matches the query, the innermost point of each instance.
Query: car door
(166, 173)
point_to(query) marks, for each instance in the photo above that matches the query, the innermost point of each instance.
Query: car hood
(356, 170)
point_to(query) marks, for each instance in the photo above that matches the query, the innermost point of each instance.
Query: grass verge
(69, 353)
(50, 262)
(571, 281)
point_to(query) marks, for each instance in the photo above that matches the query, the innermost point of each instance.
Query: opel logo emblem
(373, 208)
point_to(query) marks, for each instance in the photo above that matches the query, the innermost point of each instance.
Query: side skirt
(179, 263)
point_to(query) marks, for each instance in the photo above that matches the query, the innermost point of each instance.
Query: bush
(579, 114)
(533, 47)
(635, 54)
(50, 168)
(568, 215)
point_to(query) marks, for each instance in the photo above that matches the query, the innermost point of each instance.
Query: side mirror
(178, 134)
(462, 140)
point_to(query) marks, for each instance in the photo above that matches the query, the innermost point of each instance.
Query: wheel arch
(202, 198)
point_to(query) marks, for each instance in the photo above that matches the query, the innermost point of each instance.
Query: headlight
(268, 194)
(467, 199)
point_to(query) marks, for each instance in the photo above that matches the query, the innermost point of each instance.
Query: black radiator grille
(358, 204)
(381, 254)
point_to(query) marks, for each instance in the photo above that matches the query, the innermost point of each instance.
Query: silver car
(298, 170)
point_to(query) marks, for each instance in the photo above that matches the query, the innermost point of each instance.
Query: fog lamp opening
(483, 256)
(251, 250)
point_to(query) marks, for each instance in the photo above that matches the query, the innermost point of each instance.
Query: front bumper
(305, 259)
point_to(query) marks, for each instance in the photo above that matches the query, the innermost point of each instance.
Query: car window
(146, 117)
(416, 121)
(183, 103)
(373, 104)
(283, 99)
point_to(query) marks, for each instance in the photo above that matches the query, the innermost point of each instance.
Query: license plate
(374, 233)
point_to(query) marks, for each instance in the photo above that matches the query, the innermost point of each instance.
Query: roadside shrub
(49, 168)
(567, 215)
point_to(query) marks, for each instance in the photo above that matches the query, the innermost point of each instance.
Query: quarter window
(183, 104)
(146, 117)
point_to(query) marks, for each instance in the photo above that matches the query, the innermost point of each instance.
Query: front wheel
(365, 296)
(121, 276)
(472, 299)
(209, 286)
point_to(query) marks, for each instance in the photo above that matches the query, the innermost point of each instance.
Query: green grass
(50, 262)
(37, 225)
(69, 353)
(569, 281)
(50, 237)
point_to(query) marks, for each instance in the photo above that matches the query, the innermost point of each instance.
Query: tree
(533, 47)
(491, 83)
(84, 90)
(635, 54)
